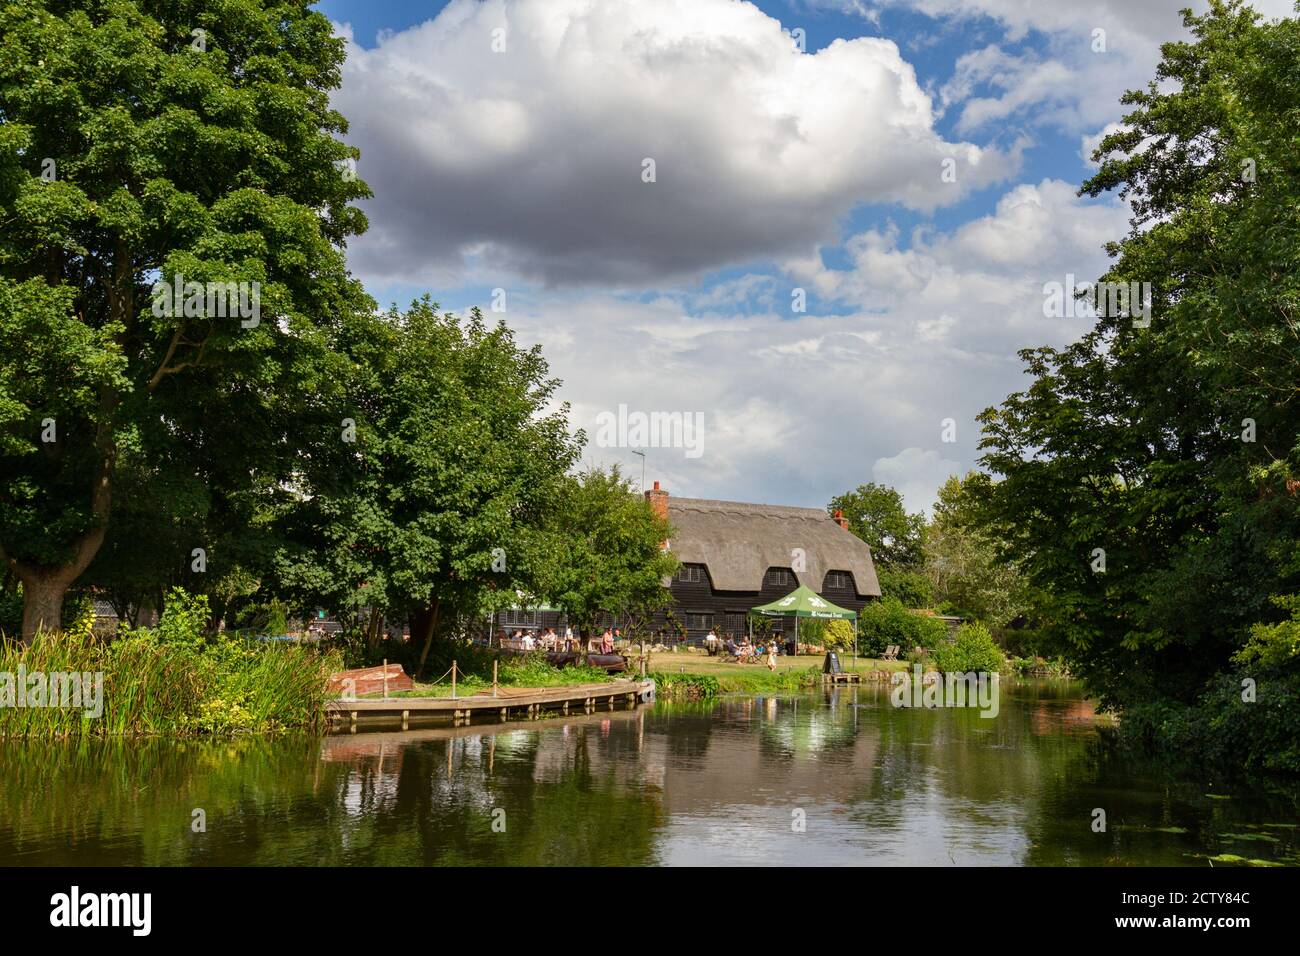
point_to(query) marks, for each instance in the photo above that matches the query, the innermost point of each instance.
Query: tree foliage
(141, 141)
(876, 514)
(608, 546)
(963, 565)
(1149, 474)
(430, 500)
(887, 621)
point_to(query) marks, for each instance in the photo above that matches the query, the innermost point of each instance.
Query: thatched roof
(739, 542)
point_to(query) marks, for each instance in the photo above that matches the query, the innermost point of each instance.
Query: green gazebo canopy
(804, 602)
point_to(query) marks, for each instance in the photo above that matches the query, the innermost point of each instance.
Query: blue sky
(518, 170)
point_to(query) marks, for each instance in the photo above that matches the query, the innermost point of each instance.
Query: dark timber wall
(728, 608)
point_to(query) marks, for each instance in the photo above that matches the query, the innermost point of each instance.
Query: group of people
(551, 640)
(743, 650)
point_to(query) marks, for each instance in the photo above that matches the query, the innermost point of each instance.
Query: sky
(819, 230)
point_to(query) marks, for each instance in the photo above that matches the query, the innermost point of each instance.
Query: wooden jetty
(833, 671)
(351, 716)
(843, 677)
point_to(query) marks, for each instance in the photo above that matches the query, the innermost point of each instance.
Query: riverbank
(699, 675)
(145, 683)
(173, 680)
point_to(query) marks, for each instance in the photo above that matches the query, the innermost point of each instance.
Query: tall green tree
(143, 141)
(609, 553)
(1149, 472)
(876, 514)
(963, 563)
(432, 501)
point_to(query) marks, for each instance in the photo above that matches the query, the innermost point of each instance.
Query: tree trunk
(44, 587)
(431, 627)
(43, 605)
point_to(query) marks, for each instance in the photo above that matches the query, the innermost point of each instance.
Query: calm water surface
(716, 783)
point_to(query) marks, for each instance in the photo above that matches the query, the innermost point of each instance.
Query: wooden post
(453, 680)
(494, 677)
(385, 678)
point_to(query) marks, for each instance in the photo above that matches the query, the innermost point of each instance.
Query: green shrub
(887, 621)
(972, 649)
(1038, 666)
(830, 634)
(913, 588)
(837, 634)
(1221, 729)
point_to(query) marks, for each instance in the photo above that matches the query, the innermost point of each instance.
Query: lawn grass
(790, 672)
(529, 672)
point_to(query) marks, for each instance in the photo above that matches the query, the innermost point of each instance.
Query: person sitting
(607, 643)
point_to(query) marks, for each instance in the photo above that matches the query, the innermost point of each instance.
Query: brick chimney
(840, 520)
(658, 499)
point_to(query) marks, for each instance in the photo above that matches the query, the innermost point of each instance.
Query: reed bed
(152, 685)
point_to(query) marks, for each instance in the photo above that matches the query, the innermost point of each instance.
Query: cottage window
(839, 580)
(780, 578)
(692, 574)
(699, 621)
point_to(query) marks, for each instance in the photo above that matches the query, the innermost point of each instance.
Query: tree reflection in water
(706, 782)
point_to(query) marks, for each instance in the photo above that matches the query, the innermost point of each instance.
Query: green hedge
(888, 621)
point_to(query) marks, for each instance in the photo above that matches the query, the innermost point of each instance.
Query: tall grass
(172, 681)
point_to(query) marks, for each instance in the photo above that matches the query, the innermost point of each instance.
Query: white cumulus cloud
(529, 162)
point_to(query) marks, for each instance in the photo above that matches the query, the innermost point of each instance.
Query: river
(824, 777)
